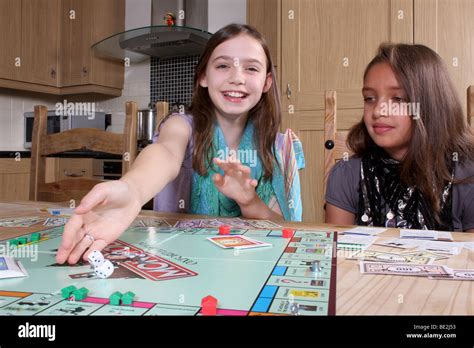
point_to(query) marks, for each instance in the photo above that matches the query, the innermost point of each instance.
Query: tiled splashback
(171, 79)
(12, 106)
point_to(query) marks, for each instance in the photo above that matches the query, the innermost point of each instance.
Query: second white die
(96, 258)
(104, 270)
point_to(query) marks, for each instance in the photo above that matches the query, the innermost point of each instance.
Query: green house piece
(80, 294)
(127, 298)
(115, 298)
(13, 242)
(35, 237)
(67, 291)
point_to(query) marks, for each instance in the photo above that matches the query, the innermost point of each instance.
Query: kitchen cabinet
(14, 179)
(48, 46)
(93, 21)
(327, 45)
(40, 42)
(323, 45)
(67, 168)
(15, 174)
(265, 14)
(10, 37)
(75, 42)
(447, 27)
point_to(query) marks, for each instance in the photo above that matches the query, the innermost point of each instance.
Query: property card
(403, 269)
(446, 248)
(10, 268)
(237, 242)
(355, 240)
(426, 234)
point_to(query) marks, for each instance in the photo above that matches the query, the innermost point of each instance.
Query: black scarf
(384, 201)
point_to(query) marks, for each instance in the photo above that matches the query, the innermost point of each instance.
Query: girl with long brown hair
(223, 157)
(413, 162)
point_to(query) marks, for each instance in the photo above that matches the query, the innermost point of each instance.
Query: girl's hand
(103, 215)
(236, 183)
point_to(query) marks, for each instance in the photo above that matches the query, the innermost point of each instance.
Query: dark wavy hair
(266, 115)
(442, 129)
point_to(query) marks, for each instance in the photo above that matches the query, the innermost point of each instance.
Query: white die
(104, 270)
(96, 258)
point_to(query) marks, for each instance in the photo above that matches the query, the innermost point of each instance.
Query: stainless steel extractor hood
(187, 37)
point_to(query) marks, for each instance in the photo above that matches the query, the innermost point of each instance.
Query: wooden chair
(470, 104)
(162, 110)
(44, 144)
(335, 147)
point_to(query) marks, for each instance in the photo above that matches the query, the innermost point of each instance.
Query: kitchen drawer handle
(288, 91)
(74, 175)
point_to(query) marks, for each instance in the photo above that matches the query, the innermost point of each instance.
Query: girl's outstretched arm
(109, 208)
(159, 164)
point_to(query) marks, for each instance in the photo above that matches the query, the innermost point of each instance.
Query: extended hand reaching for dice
(103, 215)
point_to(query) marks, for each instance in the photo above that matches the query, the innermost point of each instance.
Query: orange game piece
(224, 230)
(209, 305)
(287, 233)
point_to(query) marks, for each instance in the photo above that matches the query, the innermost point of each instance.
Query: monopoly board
(170, 270)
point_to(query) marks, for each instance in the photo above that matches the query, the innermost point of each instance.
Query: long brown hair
(266, 115)
(440, 136)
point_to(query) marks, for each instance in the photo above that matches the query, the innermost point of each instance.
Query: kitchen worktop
(13, 154)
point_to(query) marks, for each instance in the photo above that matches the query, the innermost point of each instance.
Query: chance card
(237, 242)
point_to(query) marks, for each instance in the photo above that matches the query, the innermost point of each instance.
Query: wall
(12, 106)
(223, 12)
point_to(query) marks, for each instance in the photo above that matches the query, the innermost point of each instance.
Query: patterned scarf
(206, 199)
(385, 201)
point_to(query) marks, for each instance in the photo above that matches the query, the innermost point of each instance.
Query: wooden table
(357, 294)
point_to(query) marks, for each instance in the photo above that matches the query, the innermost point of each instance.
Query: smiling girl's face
(383, 100)
(236, 76)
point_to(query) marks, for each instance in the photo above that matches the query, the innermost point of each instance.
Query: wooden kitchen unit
(14, 178)
(325, 45)
(15, 174)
